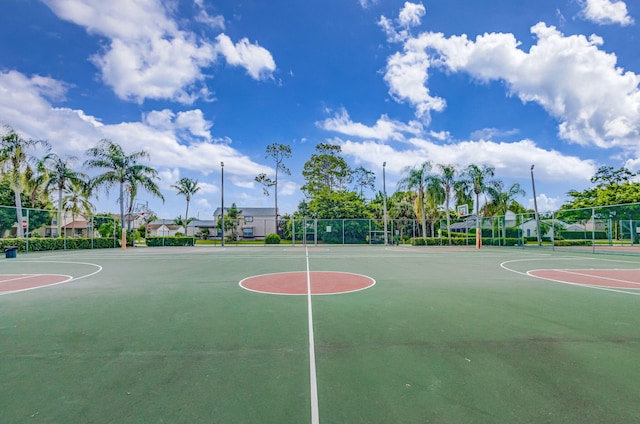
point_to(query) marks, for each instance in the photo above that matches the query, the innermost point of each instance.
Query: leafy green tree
(326, 170)
(278, 152)
(38, 217)
(612, 187)
(364, 179)
(106, 227)
(186, 187)
(340, 204)
(120, 169)
(15, 162)
(417, 179)
(230, 221)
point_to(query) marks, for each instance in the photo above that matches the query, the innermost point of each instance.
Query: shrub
(272, 239)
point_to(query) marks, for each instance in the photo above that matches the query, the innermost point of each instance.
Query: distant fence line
(598, 228)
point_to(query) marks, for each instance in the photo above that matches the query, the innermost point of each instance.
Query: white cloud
(509, 159)
(606, 12)
(492, 133)
(161, 133)
(411, 14)
(545, 203)
(287, 188)
(365, 4)
(595, 101)
(215, 22)
(149, 57)
(255, 59)
(407, 74)
(384, 128)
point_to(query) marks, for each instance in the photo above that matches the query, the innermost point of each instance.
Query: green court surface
(168, 335)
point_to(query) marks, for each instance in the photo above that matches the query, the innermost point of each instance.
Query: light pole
(222, 190)
(384, 202)
(535, 207)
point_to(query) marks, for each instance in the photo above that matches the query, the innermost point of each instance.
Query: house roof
(78, 224)
(250, 211)
(168, 226)
(202, 223)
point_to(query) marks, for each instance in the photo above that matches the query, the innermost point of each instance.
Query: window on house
(247, 232)
(248, 219)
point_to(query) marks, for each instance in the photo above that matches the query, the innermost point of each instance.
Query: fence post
(27, 232)
(553, 231)
(593, 230)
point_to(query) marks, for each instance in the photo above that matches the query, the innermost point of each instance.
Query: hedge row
(38, 244)
(458, 241)
(170, 241)
(581, 235)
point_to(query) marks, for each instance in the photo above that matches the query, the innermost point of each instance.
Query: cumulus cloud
(606, 12)
(411, 14)
(595, 101)
(255, 59)
(545, 203)
(510, 159)
(162, 133)
(148, 56)
(384, 128)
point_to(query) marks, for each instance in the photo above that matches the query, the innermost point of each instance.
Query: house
(529, 228)
(198, 226)
(164, 228)
(252, 223)
(72, 225)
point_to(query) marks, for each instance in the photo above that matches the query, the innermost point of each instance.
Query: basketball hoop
(463, 210)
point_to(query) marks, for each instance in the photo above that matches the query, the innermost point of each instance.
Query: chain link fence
(31, 229)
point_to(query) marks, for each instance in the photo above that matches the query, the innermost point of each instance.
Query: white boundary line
(315, 413)
(599, 277)
(503, 266)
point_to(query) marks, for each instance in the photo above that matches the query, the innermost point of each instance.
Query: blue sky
(553, 83)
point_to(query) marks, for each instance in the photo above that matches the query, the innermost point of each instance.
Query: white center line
(315, 415)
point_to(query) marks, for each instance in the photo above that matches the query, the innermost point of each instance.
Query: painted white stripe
(315, 414)
(599, 277)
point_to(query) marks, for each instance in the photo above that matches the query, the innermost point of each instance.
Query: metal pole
(384, 202)
(535, 208)
(222, 209)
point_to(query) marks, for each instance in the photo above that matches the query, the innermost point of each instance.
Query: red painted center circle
(298, 283)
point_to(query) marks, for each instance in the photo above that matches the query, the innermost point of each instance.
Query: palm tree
(447, 181)
(60, 176)
(477, 180)
(15, 163)
(434, 198)
(186, 187)
(417, 178)
(140, 176)
(502, 201)
(121, 168)
(77, 201)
